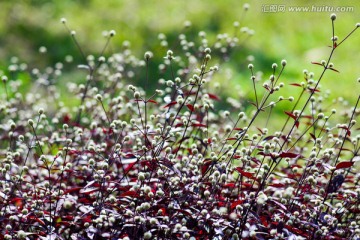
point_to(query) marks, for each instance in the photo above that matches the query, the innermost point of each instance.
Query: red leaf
(37, 220)
(89, 190)
(179, 125)
(245, 174)
(130, 194)
(130, 155)
(295, 84)
(75, 189)
(198, 125)
(260, 131)
(313, 136)
(282, 206)
(263, 221)
(268, 138)
(288, 154)
(317, 63)
(170, 104)
(66, 118)
(229, 185)
(232, 138)
(348, 132)
(190, 107)
(344, 165)
(235, 203)
(152, 101)
(205, 166)
(129, 167)
(291, 115)
(314, 89)
(213, 96)
(333, 69)
(253, 104)
(277, 185)
(87, 218)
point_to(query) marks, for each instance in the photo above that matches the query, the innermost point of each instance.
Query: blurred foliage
(299, 37)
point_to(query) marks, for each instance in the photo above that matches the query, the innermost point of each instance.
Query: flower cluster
(124, 162)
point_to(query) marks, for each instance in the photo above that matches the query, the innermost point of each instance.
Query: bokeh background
(299, 37)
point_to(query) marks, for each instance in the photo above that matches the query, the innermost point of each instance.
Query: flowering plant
(129, 164)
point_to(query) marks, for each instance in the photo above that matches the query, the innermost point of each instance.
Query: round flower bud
(102, 59)
(246, 6)
(207, 50)
(21, 234)
(112, 33)
(250, 66)
(141, 176)
(147, 235)
(63, 20)
(98, 97)
(148, 55)
(136, 95)
(333, 16)
(31, 122)
(67, 204)
(283, 62)
(207, 193)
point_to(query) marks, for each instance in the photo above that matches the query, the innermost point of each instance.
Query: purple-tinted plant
(129, 164)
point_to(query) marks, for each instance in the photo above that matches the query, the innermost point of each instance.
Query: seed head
(112, 33)
(207, 50)
(333, 16)
(148, 55)
(169, 53)
(147, 235)
(31, 122)
(246, 6)
(187, 24)
(98, 97)
(136, 95)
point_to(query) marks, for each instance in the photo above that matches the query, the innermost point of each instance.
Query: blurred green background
(299, 37)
